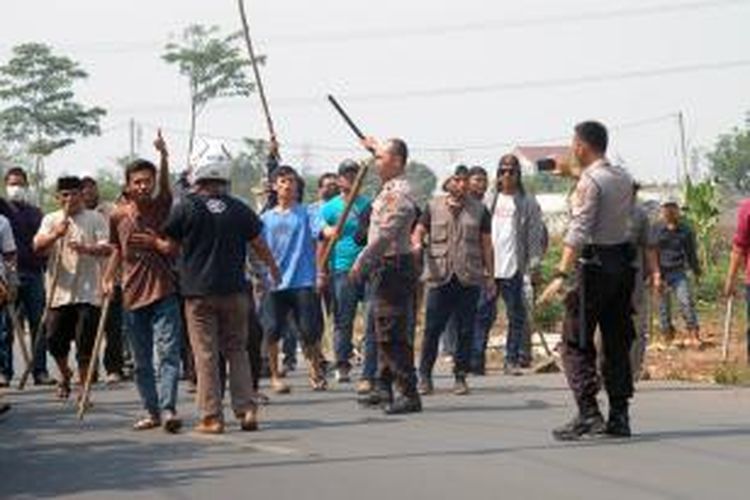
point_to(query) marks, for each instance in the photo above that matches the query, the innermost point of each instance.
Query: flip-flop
(147, 423)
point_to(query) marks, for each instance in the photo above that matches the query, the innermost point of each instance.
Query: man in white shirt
(517, 240)
(76, 241)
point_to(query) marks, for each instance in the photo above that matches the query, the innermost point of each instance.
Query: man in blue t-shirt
(346, 294)
(290, 234)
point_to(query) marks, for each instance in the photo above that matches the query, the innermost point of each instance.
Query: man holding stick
(149, 290)
(76, 240)
(388, 260)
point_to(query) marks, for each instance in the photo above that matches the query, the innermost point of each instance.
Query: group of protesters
(196, 284)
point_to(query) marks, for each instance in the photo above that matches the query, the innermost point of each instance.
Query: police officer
(597, 244)
(388, 263)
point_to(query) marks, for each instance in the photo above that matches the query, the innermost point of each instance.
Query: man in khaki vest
(458, 261)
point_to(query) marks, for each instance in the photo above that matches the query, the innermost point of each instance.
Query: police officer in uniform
(387, 261)
(597, 245)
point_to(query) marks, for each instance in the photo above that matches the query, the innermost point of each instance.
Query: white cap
(212, 163)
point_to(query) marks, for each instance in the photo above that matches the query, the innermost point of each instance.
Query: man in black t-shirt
(213, 230)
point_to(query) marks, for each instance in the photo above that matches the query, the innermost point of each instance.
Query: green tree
(702, 212)
(248, 170)
(213, 66)
(40, 111)
(730, 158)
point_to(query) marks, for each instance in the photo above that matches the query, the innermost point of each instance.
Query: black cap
(461, 171)
(348, 167)
(69, 183)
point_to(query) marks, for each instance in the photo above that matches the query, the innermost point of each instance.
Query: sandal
(147, 423)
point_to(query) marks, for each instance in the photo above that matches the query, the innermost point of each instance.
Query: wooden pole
(94, 362)
(28, 358)
(727, 329)
(256, 71)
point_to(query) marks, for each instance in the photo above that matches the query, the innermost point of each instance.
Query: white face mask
(17, 193)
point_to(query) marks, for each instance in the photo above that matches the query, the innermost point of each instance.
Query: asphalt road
(692, 441)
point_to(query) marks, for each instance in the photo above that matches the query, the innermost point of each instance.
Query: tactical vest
(455, 243)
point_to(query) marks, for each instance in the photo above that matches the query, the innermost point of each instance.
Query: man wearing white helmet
(213, 229)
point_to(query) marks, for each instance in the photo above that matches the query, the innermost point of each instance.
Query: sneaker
(403, 405)
(172, 424)
(113, 378)
(618, 423)
(364, 387)
(210, 425)
(460, 388)
(342, 376)
(426, 386)
(581, 428)
(513, 370)
(4, 381)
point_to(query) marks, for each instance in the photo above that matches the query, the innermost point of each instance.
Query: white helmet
(212, 163)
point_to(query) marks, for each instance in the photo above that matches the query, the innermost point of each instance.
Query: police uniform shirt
(391, 221)
(600, 206)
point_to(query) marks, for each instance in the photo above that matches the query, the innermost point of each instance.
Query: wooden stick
(20, 335)
(94, 361)
(256, 71)
(727, 329)
(356, 188)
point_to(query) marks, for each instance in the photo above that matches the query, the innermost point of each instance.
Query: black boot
(588, 423)
(404, 404)
(618, 424)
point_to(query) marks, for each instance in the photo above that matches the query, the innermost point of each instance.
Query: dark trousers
(302, 305)
(393, 294)
(72, 323)
(114, 350)
(607, 293)
(450, 301)
(747, 333)
(31, 304)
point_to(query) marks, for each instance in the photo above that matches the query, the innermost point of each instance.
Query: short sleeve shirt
(213, 232)
(78, 278)
(147, 275)
(288, 234)
(346, 250)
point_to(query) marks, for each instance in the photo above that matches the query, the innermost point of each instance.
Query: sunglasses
(507, 171)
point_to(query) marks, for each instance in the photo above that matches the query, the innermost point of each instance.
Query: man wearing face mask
(597, 244)
(25, 220)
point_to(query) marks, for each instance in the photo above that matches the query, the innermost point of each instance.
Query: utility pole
(683, 145)
(132, 138)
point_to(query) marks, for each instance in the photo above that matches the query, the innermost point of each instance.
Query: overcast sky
(461, 81)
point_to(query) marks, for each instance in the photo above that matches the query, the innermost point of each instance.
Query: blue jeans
(485, 318)
(678, 283)
(449, 300)
(346, 297)
(159, 323)
(511, 290)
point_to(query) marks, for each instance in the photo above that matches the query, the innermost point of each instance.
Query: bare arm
(259, 246)
(488, 256)
(735, 261)
(43, 242)
(161, 147)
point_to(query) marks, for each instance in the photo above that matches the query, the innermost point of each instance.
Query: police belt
(608, 257)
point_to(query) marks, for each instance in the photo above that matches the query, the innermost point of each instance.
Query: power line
(518, 86)
(499, 24)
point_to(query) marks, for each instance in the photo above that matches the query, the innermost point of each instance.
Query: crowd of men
(204, 287)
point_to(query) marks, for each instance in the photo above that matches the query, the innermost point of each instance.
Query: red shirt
(742, 234)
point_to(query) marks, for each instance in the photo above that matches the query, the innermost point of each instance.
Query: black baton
(348, 120)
